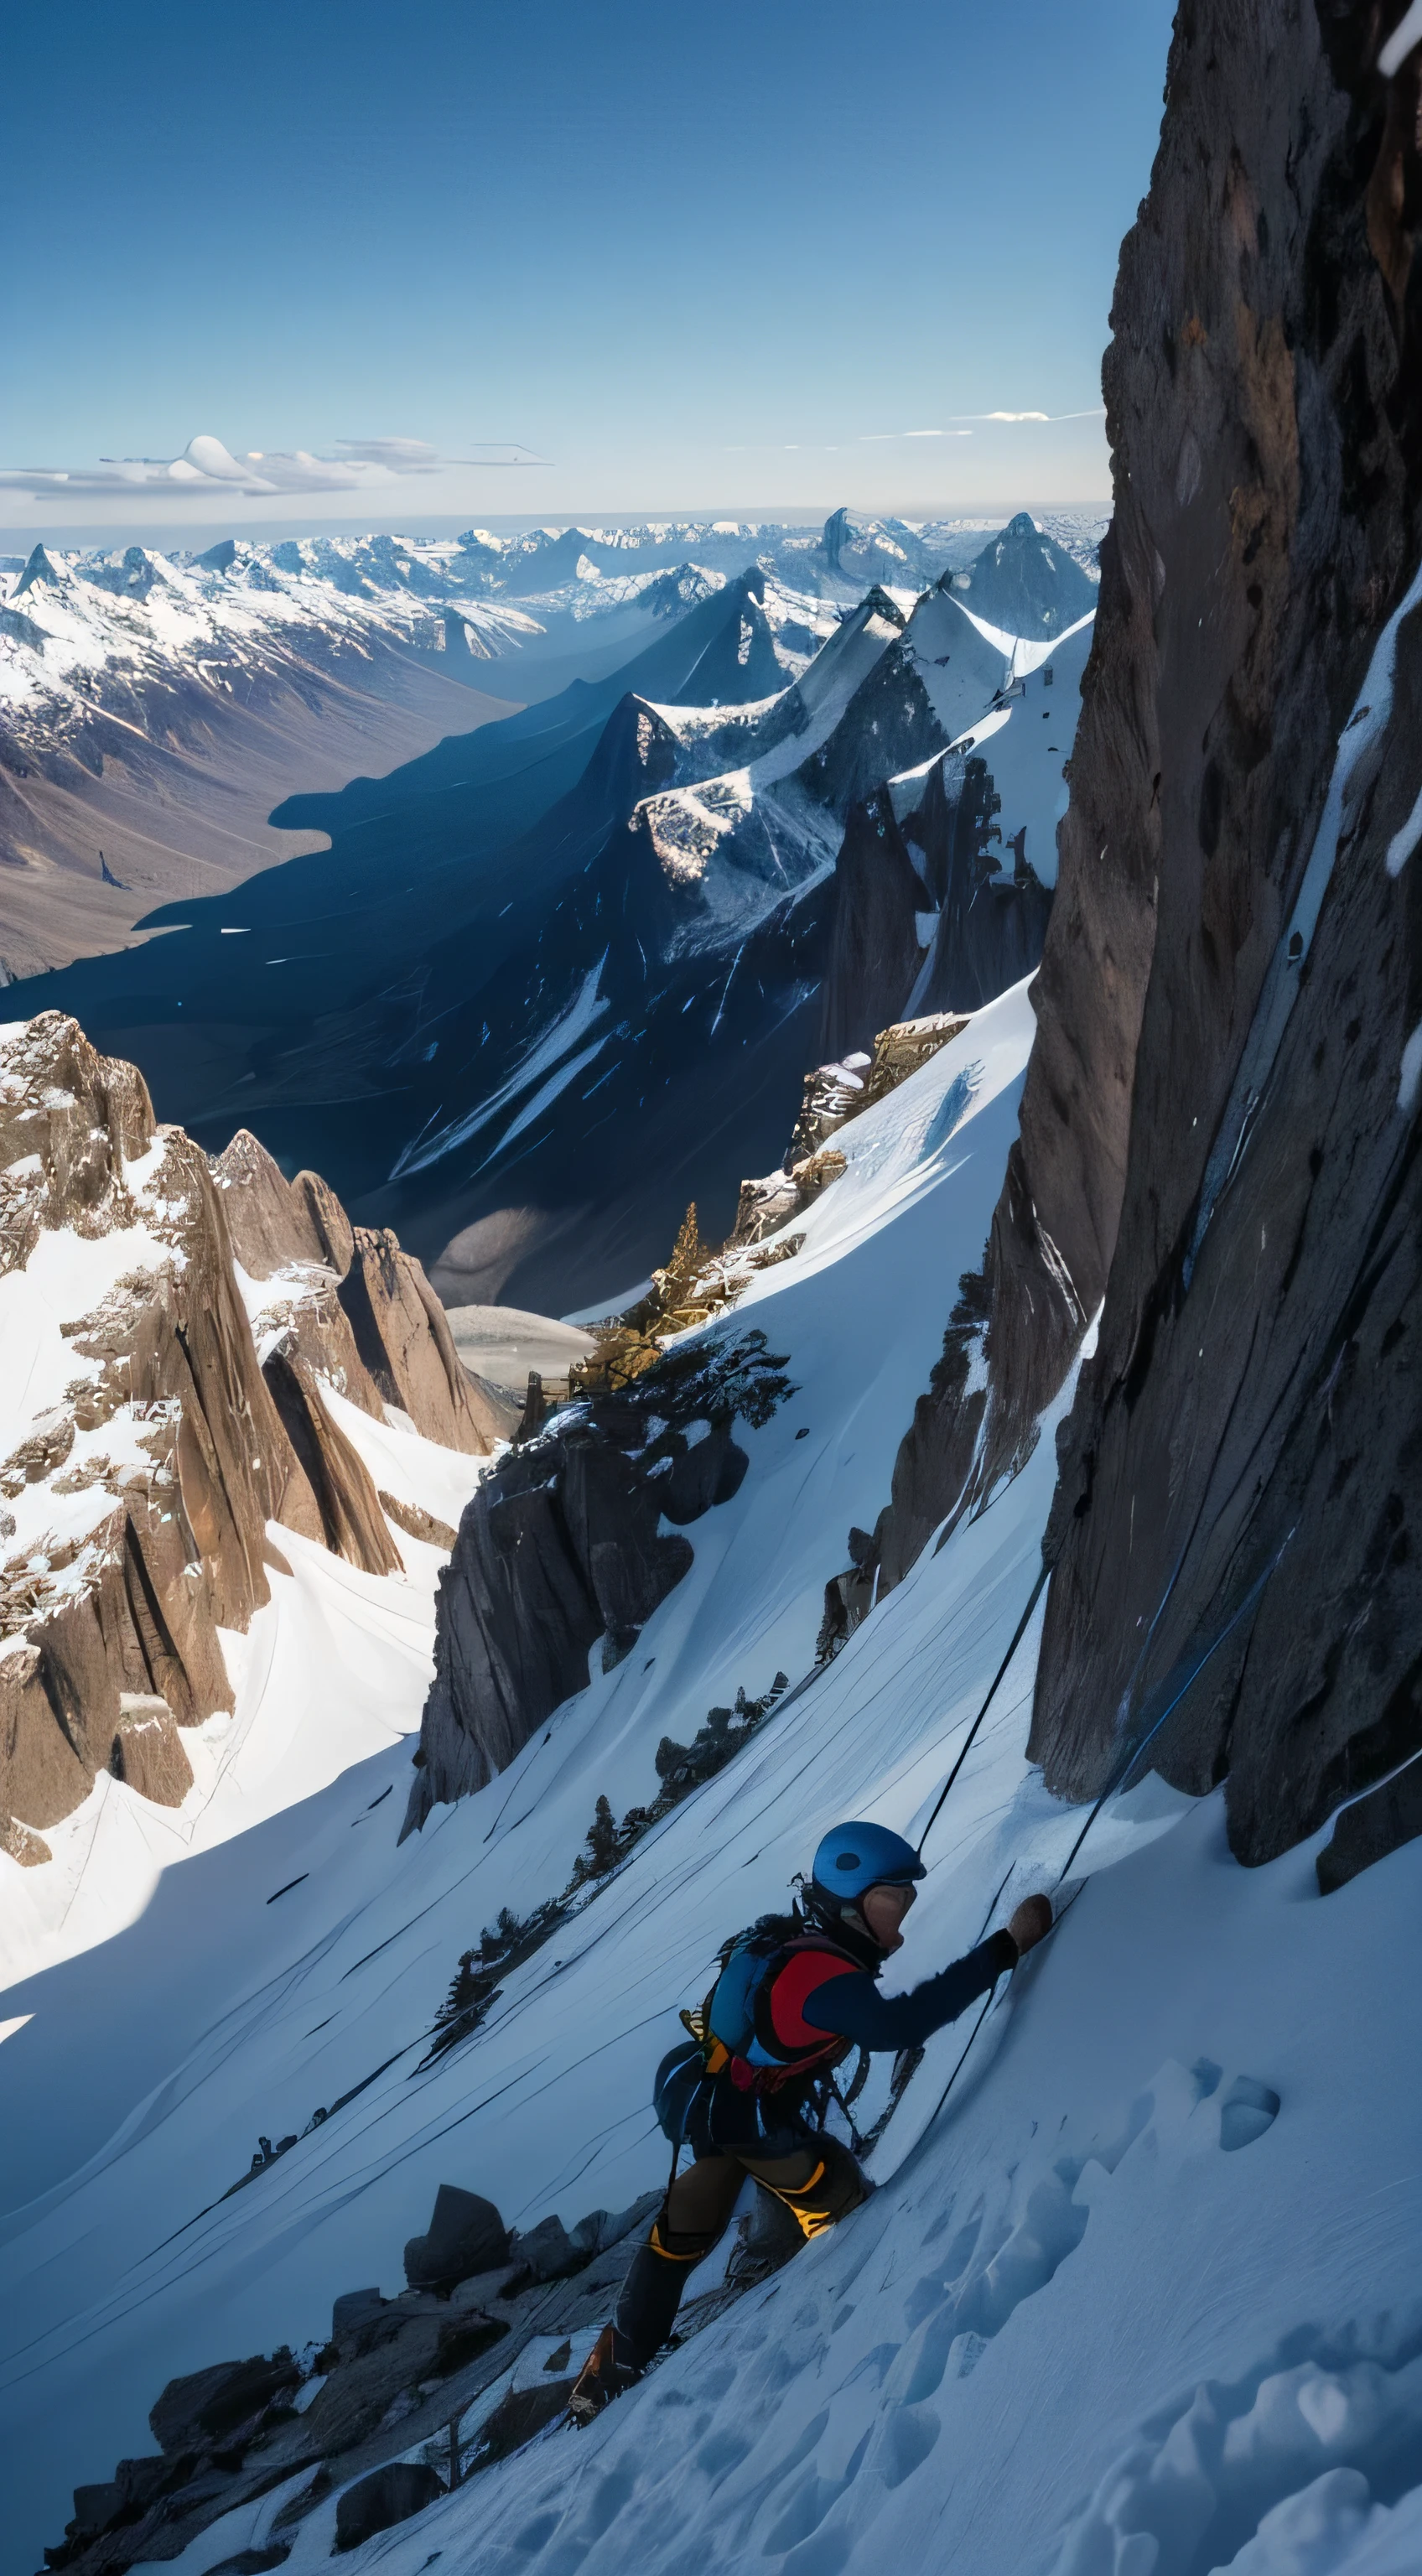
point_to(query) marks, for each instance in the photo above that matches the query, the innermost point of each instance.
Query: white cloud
(206, 467)
(1096, 412)
(878, 437)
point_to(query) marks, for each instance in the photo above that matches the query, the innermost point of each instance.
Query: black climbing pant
(819, 2182)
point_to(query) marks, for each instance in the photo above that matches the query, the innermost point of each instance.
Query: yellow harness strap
(811, 2222)
(665, 2251)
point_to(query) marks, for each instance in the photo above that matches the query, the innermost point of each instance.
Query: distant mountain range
(565, 972)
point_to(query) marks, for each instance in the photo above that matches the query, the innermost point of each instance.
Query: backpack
(736, 2030)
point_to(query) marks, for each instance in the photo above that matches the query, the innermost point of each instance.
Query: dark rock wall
(891, 874)
(991, 924)
(874, 955)
(1251, 1405)
(1254, 1389)
(561, 1545)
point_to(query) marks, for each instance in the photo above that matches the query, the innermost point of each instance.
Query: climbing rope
(1177, 1682)
(1018, 1634)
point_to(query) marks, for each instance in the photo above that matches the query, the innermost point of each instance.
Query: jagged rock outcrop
(1234, 1170)
(465, 2235)
(138, 1500)
(833, 1094)
(395, 2378)
(557, 1548)
(560, 1545)
(146, 1449)
(274, 1222)
(875, 952)
(926, 917)
(991, 925)
(403, 1338)
(148, 1750)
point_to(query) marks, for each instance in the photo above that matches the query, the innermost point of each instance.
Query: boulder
(207, 2406)
(353, 2309)
(547, 2252)
(387, 2496)
(95, 2506)
(518, 2417)
(148, 1753)
(703, 1476)
(465, 2235)
(417, 1523)
(602, 2228)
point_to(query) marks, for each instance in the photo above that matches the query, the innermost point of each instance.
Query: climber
(794, 1995)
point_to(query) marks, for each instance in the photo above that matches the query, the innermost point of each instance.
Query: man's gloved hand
(1031, 1923)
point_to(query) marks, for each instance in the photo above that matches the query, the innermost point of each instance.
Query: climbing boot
(609, 2369)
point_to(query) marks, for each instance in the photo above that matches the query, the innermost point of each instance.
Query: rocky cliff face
(561, 1545)
(149, 1439)
(1218, 1132)
(925, 916)
(136, 1496)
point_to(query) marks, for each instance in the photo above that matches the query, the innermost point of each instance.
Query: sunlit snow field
(993, 2366)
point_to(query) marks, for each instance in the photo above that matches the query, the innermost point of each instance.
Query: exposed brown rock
(901, 1048)
(350, 1520)
(175, 1550)
(27, 1848)
(270, 1224)
(328, 1219)
(147, 1752)
(403, 1337)
(297, 1235)
(129, 1609)
(416, 1523)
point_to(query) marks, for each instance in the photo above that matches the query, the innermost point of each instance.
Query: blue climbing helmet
(855, 1857)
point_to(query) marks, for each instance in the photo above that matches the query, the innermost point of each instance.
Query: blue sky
(698, 258)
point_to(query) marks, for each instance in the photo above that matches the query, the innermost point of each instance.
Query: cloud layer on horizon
(207, 467)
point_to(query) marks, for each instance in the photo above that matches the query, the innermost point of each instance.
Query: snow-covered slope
(734, 844)
(1140, 2189)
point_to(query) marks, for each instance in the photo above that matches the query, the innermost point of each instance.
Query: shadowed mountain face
(513, 1027)
(1024, 583)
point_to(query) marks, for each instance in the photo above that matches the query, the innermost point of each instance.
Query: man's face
(883, 1909)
